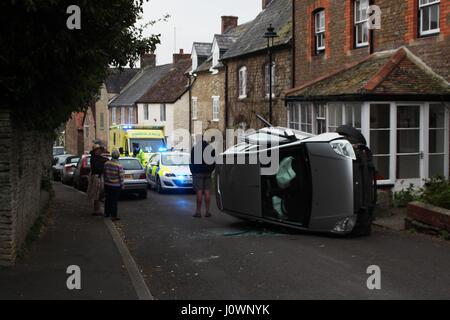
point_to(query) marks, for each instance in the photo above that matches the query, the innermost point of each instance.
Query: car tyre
(159, 187)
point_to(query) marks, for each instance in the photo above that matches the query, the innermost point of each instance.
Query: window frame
(319, 31)
(114, 115)
(163, 112)
(215, 108)
(146, 112)
(242, 82)
(194, 110)
(360, 22)
(421, 7)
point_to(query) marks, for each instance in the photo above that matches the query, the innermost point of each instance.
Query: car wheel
(159, 187)
(353, 135)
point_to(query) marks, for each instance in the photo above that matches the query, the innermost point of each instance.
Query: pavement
(225, 258)
(71, 237)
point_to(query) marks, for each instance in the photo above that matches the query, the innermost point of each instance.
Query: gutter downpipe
(226, 94)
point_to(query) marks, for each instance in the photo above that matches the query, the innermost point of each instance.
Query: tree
(49, 71)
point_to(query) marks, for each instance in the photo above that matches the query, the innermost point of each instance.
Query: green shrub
(403, 197)
(437, 192)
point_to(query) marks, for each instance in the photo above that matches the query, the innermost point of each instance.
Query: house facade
(156, 96)
(208, 78)
(247, 69)
(391, 83)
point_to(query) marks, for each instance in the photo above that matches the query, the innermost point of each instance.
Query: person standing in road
(201, 173)
(99, 157)
(113, 179)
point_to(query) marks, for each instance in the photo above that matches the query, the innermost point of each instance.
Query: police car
(169, 171)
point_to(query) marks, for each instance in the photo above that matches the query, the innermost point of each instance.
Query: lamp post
(270, 35)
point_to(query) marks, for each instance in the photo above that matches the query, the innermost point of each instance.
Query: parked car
(58, 164)
(325, 183)
(68, 169)
(169, 171)
(81, 173)
(58, 151)
(134, 177)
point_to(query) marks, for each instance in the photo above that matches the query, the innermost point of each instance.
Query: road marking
(136, 277)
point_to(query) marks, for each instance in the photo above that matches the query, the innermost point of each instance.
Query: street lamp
(270, 35)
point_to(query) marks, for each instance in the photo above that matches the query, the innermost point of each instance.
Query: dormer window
(429, 17)
(361, 23)
(319, 31)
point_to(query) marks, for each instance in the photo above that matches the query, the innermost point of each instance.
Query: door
(410, 146)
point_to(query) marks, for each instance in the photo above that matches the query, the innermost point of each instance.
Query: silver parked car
(323, 183)
(135, 180)
(69, 168)
(58, 165)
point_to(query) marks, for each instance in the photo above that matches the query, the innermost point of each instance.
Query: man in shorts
(201, 169)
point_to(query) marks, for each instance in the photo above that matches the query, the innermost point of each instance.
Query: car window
(72, 160)
(174, 159)
(263, 138)
(130, 164)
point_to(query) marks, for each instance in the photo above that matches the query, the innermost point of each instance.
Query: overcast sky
(193, 20)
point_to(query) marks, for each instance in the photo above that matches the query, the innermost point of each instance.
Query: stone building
(390, 83)
(24, 183)
(247, 68)
(208, 77)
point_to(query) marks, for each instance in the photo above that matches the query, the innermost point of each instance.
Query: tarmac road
(225, 258)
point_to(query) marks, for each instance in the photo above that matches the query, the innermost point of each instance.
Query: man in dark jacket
(202, 165)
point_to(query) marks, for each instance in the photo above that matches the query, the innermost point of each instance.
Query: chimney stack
(229, 22)
(148, 60)
(265, 3)
(177, 57)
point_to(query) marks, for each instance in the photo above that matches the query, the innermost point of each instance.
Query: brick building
(391, 83)
(74, 134)
(208, 77)
(247, 68)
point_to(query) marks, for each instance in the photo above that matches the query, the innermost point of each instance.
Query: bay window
(380, 138)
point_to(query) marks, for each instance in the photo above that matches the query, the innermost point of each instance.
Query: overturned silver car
(323, 183)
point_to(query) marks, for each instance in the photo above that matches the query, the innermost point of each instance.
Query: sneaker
(208, 215)
(197, 215)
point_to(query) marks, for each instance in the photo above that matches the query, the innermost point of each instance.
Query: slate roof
(203, 49)
(381, 75)
(170, 87)
(118, 79)
(139, 85)
(279, 14)
(224, 41)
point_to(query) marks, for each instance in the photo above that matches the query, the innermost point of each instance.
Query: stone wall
(204, 88)
(27, 159)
